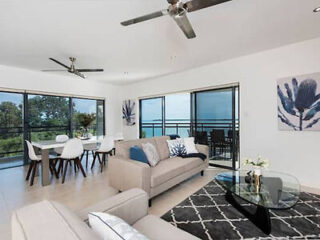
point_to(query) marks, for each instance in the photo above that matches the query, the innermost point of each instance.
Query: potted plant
(257, 166)
(85, 120)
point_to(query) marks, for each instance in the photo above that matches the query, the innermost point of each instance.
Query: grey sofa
(125, 173)
(52, 221)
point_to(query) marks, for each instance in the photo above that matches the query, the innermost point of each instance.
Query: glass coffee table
(278, 191)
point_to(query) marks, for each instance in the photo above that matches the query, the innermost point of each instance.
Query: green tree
(10, 115)
(10, 119)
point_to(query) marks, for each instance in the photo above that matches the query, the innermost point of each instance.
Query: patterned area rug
(207, 215)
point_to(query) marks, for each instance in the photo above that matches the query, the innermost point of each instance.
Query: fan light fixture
(316, 10)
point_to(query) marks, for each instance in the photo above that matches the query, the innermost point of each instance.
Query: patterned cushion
(151, 153)
(176, 147)
(111, 227)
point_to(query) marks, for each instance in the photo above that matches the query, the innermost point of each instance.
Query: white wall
(16, 78)
(293, 152)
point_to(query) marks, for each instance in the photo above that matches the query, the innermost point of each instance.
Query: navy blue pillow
(136, 153)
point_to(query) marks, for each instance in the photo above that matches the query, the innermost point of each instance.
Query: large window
(177, 114)
(41, 117)
(48, 116)
(11, 129)
(166, 115)
(151, 117)
(210, 116)
(88, 106)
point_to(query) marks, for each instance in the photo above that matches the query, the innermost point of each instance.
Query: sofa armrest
(130, 206)
(203, 149)
(125, 174)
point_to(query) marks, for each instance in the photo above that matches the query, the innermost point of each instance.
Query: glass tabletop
(277, 190)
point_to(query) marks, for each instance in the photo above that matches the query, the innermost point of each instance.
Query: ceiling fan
(178, 11)
(72, 69)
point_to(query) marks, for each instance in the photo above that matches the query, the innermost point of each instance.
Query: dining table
(46, 146)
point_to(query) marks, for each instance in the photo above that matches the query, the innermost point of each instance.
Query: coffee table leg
(261, 218)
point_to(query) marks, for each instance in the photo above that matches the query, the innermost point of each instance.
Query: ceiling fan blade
(185, 25)
(79, 74)
(90, 70)
(54, 70)
(63, 65)
(195, 5)
(145, 17)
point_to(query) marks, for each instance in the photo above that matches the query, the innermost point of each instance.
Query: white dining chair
(60, 139)
(72, 151)
(35, 160)
(92, 147)
(106, 148)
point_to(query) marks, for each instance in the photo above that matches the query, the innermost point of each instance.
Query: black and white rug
(207, 215)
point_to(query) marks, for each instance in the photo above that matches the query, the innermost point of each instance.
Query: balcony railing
(184, 128)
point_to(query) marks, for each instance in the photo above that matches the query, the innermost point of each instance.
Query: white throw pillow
(110, 227)
(190, 146)
(151, 153)
(176, 147)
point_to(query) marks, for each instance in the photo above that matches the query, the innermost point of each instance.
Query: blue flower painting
(129, 112)
(299, 103)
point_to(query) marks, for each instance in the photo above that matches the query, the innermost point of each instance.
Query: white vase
(257, 171)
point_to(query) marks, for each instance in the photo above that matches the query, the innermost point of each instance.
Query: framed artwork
(299, 103)
(129, 112)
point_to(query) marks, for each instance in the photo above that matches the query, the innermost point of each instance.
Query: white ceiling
(34, 30)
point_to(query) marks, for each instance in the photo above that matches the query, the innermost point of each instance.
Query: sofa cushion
(172, 167)
(190, 145)
(157, 229)
(108, 226)
(136, 153)
(49, 220)
(176, 147)
(162, 146)
(123, 147)
(151, 153)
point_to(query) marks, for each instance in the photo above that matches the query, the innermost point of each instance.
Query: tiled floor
(78, 193)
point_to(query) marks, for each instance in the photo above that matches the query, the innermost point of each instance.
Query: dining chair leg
(94, 159)
(60, 167)
(80, 166)
(74, 167)
(81, 156)
(54, 170)
(65, 171)
(87, 159)
(99, 159)
(33, 172)
(50, 168)
(29, 170)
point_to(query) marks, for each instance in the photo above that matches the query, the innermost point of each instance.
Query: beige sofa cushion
(123, 147)
(162, 146)
(50, 221)
(172, 167)
(157, 229)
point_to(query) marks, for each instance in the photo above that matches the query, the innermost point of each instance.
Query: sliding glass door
(151, 117)
(215, 122)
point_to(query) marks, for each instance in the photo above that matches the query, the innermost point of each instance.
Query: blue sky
(11, 97)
